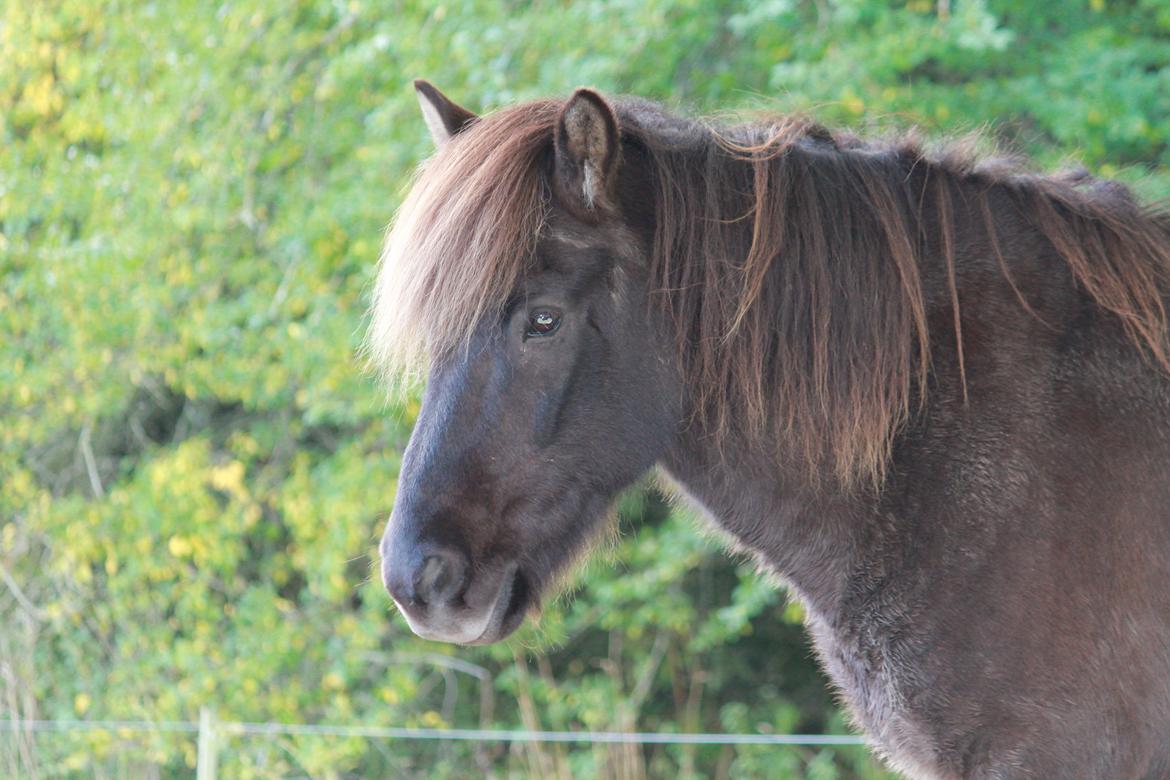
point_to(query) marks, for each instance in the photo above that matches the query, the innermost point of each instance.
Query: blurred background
(194, 470)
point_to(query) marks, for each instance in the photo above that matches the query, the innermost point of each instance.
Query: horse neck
(809, 538)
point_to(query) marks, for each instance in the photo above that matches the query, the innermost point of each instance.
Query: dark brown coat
(927, 389)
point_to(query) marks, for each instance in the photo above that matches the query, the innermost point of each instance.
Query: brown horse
(928, 390)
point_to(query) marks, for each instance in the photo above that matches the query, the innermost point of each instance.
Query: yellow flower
(179, 546)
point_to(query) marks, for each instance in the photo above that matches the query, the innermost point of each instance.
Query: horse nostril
(440, 578)
(399, 588)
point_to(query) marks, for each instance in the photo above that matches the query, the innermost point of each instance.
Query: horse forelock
(462, 238)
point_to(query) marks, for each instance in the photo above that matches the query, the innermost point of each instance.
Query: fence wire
(228, 728)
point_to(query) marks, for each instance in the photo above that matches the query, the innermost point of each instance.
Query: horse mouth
(510, 608)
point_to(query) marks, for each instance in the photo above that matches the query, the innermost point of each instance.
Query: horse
(924, 385)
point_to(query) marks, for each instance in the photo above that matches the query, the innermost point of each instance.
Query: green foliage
(195, 470)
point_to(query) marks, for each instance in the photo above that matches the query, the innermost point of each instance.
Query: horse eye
(542, 322)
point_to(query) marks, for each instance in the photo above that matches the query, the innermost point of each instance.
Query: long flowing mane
(789, 256)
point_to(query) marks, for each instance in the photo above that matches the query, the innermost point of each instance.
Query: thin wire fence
(459, 735)
(208, 741)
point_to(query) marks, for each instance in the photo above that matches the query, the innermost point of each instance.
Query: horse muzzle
(446, 597)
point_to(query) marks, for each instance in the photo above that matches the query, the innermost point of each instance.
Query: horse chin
(511, 606)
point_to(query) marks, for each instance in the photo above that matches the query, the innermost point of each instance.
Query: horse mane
(788, 256)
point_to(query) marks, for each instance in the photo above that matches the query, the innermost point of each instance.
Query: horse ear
(587, 146)
(443, 116)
